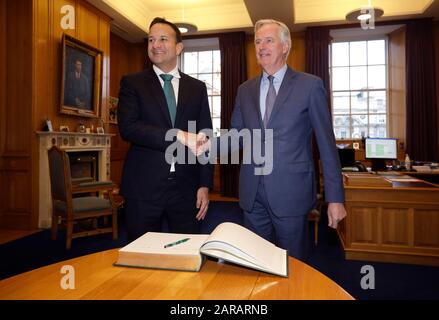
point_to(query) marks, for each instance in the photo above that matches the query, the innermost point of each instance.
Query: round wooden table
(95, 277)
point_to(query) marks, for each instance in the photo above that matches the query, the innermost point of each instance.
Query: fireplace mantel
(70, 142)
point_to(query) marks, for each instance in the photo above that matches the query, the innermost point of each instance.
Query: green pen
(176, 242)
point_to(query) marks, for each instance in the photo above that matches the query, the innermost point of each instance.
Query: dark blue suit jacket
(300, 109)
(144, 119)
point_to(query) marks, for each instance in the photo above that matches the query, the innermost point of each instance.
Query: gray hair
(284, 32)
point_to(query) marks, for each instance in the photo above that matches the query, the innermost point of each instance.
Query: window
(359, 94)
(203, 62)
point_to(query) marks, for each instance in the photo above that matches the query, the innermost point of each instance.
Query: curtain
(317, 40)
(421, 123)
(233, 73)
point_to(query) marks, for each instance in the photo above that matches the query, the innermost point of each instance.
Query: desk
(432, 176)
(97, 278)
(399, 223)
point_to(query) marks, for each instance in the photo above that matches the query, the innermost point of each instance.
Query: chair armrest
(93, 186)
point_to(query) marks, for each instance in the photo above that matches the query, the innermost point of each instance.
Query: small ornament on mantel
(81, 128)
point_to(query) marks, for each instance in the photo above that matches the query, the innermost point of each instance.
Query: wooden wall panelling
(104, 45)
(125, 58)
(3, 43)
(53, 36)
(364, 224)
(119, 51)
(395, 227)
(15, 110)
(43, 69)
(296, 59)
(87, 20)
(35, 66)
(391, 225)
(426, 226)
(19, 78)
(253, 68)
(89, 28)
(17, 195)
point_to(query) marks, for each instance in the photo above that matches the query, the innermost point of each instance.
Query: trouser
(143, 216)
(290, 233)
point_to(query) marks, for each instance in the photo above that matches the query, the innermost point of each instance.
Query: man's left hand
(202, 202)
(336, 213)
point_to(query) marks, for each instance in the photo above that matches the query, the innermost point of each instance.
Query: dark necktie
(170, 96)
(269, 101)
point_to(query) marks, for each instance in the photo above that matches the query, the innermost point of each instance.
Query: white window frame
(386, 89)
(199, 45)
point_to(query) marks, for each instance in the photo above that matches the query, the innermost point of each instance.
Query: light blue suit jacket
(301, 108)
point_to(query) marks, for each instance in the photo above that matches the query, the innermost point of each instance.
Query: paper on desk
(422, 168)
(403, 179)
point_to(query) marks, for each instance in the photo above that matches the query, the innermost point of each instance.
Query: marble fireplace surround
(70, 142)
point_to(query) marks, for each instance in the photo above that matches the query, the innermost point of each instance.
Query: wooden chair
(314, 215)
(69, 209)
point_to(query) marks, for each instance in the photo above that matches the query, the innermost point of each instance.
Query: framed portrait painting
(81, 87)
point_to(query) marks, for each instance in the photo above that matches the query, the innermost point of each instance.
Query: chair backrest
(60, 179)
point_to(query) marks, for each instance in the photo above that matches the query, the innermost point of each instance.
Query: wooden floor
(7, 235)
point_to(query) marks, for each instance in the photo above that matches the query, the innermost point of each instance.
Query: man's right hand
(197, 143)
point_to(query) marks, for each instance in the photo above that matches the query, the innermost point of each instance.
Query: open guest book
(229, 242)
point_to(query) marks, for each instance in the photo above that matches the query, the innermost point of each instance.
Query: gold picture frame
(81, 79)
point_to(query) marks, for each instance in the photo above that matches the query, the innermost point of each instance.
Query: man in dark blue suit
(294, 106)
(150, 104)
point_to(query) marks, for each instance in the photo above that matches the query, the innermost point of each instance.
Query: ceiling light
(185, 27)
(364, 14)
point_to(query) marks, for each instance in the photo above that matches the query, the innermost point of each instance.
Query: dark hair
(173, 26)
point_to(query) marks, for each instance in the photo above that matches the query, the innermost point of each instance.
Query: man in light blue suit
(294, 105)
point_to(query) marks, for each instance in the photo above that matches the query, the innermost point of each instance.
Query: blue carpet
(392, 281)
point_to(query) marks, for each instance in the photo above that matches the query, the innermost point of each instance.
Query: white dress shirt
(265, 83)
(175, 83)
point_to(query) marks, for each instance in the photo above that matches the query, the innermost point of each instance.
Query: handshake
(197, 143)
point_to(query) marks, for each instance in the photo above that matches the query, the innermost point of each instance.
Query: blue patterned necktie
(269, 101)
(170, 96)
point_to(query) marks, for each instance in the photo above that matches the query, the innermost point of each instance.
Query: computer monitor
(380, 149)
(347, 157)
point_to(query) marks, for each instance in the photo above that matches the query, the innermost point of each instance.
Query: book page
(239, 243)
(154, 242)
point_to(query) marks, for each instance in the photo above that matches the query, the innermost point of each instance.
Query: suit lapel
(153, 82)
(183, 97)
(256, 87)
(284, 91)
